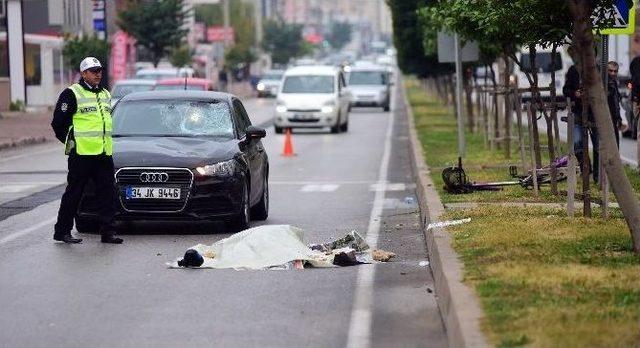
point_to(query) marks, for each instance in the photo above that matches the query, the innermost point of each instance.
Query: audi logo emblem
(154, 177)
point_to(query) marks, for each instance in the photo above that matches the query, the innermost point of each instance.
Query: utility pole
(15, 43)
(226, 42)
(258, 12)
(458, 54)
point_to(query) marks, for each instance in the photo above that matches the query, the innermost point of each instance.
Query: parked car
(163, 73)
(369, 86)
(185, 155)
(269, 83)
(124, 87)
(313, 97)
(190, 83)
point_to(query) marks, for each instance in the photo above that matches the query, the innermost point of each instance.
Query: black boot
(111, 239)
(67, 238)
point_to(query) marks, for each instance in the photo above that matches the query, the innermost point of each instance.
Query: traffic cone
(288, 146)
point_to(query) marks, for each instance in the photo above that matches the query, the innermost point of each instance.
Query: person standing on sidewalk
(613, 99)
(82, 121)
(573, 90)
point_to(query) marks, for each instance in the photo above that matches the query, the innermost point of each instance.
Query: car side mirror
(254, 132)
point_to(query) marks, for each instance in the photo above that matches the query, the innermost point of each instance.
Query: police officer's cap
(89, 63)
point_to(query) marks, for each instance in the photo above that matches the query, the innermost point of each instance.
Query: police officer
(82, 121)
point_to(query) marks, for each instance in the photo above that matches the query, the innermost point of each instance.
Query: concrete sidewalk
(22, 128)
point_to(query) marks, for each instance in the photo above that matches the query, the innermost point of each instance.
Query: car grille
(304, 110)
(177, 177)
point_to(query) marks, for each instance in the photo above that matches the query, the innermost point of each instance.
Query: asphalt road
(100, 295)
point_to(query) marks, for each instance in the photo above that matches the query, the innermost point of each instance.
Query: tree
(581, 12)
(283, 41)
(407, 36)
(77, 48)
(339, 35)
(549, 22)
(241, 19)
(180, 56)
(156, 25)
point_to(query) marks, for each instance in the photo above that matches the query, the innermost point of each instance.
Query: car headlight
(225, 168)
(281, 108)
(327, 109)
(260, 86)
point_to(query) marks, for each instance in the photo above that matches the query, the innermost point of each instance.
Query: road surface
(101, 295)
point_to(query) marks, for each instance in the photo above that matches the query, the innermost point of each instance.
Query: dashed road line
(319, 188)
(361, 314)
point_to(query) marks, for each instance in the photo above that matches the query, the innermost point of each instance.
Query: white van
(543, 62)
(312, 97)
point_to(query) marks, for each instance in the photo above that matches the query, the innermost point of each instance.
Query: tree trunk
(496, 127)
(508, 101)
(550, 121)
(452, 93)
(583, 39)
(536, 100)
(467, 92)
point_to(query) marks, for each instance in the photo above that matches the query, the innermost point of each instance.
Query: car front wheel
(241, 220)
(261, 210)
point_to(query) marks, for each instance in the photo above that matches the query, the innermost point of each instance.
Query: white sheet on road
(259, 248)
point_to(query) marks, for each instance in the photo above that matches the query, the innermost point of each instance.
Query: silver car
(124, 87)
(369, 86)
(269, 83)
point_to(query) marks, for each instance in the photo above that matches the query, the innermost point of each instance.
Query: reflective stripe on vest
(92, 124)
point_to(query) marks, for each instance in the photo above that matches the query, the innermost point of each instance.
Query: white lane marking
(283, 182)
(319, 188)
(391, 187)
(30, 154)
(361, 314)
(15, 188)
(27, 230)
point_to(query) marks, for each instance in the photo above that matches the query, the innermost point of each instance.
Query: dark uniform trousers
(98, 168)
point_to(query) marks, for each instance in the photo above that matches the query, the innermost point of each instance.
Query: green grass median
(543, 279)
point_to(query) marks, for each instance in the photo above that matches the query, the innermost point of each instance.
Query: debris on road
(382, 256)
(280, 247)
(423, 263)
(447, 223)
(191, 259)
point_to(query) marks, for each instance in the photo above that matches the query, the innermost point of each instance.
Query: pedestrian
(634, 71)
(613, 99)
(223, 79)
(572, 89)
(82, 121)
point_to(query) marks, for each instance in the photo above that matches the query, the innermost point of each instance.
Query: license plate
(152, 193)
(302, 116)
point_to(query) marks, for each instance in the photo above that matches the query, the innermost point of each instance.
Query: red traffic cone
(288, 146)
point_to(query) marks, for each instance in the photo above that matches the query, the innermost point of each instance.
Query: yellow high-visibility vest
(92, 124)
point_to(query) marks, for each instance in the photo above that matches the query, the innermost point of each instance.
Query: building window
(4, 59)
(32, 69)
(57, 66)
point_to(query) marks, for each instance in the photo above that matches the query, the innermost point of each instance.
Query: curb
(23, 141)
(459, 305)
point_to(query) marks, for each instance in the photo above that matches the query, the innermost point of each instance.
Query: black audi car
(185, 155)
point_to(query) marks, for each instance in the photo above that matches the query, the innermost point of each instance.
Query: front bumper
(201, 198)
(306, 119)
(268, 91)
(369, 100)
